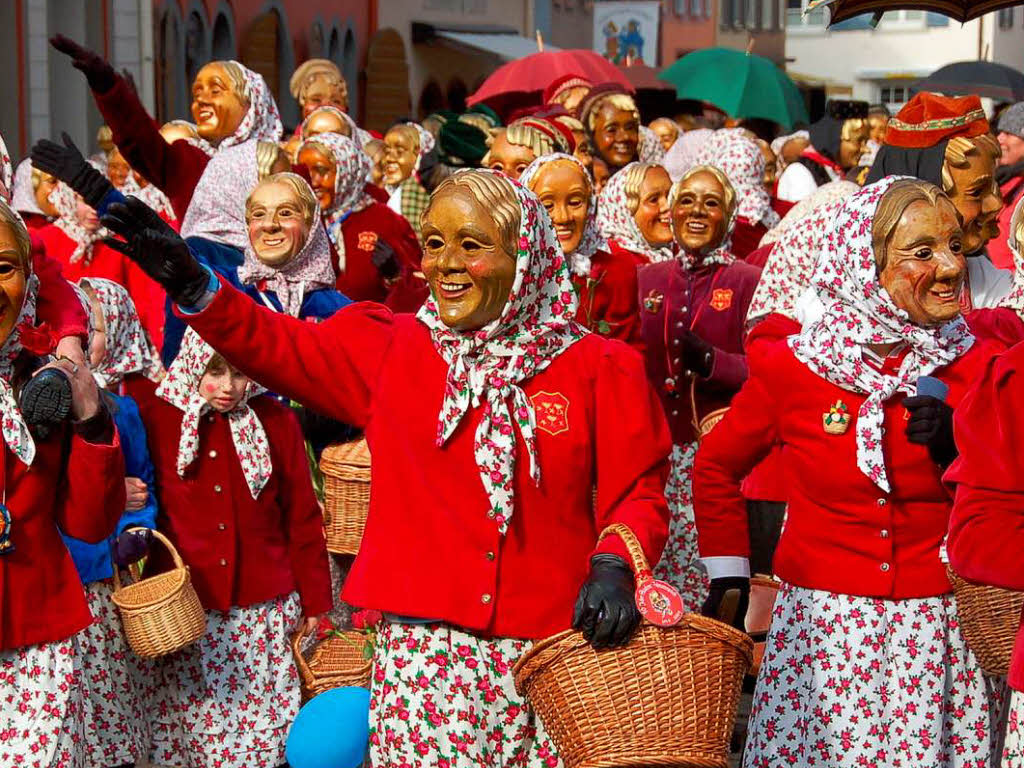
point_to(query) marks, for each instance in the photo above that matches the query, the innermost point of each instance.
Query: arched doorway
(196, 53)
(267, 50)
(431, 99)
(350, 71)
(456, 94)
(223, 38)
(170, 67)
(387, 80)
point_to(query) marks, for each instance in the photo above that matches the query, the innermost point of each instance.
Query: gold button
(490, 514)
(213, 454)
(882, 502)
(485, 599)
(221, 526)
(490, 556)
(884, 567)
(217, 488)
(210, 418)
(223, 562)
(885, 534)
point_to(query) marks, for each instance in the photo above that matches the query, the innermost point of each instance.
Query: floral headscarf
(650, 149)
(617, 223)
(739, 158)
(356, 134)
(352, 166)
(65, 200)
(592, 240)
(786, 275)
(682, 155)
(180, 388)
(309, 269)
(261, 121)
(488, 365)
(150, 195)
(217, 209)
(128, 349)
(13, 427)
(859, 311)
(23, 199)
(1015, 298)
(6, 170)
(781, 141)
(720, 255)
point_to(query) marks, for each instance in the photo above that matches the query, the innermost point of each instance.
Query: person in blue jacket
(110, 676)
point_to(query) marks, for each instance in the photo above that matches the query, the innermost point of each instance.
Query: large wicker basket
(989, 618)
(161, 613)
(334, 662)
(346, 469)
(667, 698)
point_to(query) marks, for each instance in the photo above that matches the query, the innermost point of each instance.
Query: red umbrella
(532, 74)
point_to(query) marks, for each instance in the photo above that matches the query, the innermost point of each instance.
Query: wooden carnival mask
(701, 213)
(852, 141)
(14, 255)
(325, 121)
(323, 173)
(968, 175)
(401, 149)
(279, 220)
(508, 157)
(217, 102)
(564, 190)
(616, 134)
(652, 214)
(323, 90)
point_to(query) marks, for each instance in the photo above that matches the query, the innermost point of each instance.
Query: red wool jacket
(361, 281)
(241, 551)
(746, 237)
(986, 530)
(607, 296)
(843, 534)
(429, 549)
(106, 262)
(57, 304)
(72, 486)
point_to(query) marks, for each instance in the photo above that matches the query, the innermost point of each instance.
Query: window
(795, 17)
(768, 14)
(753, 9)
(739, 13)
(1006, 18)
(725, 19)
(894, 96)
(680, 7)
(696, 9)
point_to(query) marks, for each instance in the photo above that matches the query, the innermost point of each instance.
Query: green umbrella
(740, 84)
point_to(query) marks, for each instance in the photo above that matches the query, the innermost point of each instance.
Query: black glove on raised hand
(96, 69)
(158, 250)
(931, 425)
(131, 546)
(385, 260)
(697, 355)
(606, 611)
(717, 607)
(67, 164)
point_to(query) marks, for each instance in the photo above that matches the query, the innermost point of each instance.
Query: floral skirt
(854, 681)
(112, 679)
(679, 564)
(40, 707)
(1013, 750)
(228, 701)
(443, 697)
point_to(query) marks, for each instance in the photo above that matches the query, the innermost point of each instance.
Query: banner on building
(627, 31)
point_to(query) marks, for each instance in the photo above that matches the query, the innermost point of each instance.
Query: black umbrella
(984, 78)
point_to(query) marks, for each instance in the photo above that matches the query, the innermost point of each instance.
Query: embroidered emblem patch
(551, 410)
(837, 420)
(367, 241)
(653, 302)
(721, 299)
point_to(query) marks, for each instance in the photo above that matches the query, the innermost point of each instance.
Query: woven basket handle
(136, 574)
(636, 552)
(300, 661)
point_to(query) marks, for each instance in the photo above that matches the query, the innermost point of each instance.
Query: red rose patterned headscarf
(682, 155)
(617, 223)
(6, 170)
(151, 196)
(352, 166)
(738, 157)
(180, 388)
(858, 312)
(65, 200)
(12, 424)
(23, 196)
(591, 240)
(487, 366)
(650, 149)
(128, 349)
(217, 209)
(261, 121)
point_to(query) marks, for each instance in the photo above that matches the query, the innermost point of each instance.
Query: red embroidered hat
(562, 84)
(928, 118)
(560, 136)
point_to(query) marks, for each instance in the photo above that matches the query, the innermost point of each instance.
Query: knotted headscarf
(488, 366)
(150, 195)
(128, 349)
(739, 158)
(65, 200)
(618, 223)
(6, 170)
(180, 388)
(650, 149)
(682, 155)
(1015, 298)
(591, 240)
(858, 312)
(217, 209)
(261, 121)
(23, 198)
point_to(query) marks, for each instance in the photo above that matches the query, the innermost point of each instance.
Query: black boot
(45, 400)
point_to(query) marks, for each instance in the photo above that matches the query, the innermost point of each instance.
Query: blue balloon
(331, 731)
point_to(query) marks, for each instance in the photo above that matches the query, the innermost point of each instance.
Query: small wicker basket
(989, 619)
(667, 698)
(162, 613)
(346, 469)
(334, 662)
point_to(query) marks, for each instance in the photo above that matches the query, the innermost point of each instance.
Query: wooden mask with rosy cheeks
(279, 214)
(218, 100)
(563, 188)
(401, 150)
(15, 269)
(703, 204)
(615, 130)
(968, 178)
(325, 120)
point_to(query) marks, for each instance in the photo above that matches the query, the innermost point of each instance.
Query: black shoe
(45, 399)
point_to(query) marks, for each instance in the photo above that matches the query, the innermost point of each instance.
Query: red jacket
(986, 530)
(843, 534)
(175, 168)
(106, 262)
(361, 281)
(746, 237)
(57, 304)
(240, 550)
(998, 250)
(429, 549)
(607, 296)
(73, 487)
(759, 256)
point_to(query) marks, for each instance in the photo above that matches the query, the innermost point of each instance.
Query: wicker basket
(162, 613)
(346, 469)
(667, 698)
(989, 618)
(334, 662)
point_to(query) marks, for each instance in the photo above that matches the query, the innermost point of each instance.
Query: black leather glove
(131, 546)
(606, 611)
(68, 165)
(719, 603)
(158, 250)
(697, 355)
(385, 260)
(931, 425)
(96, 69)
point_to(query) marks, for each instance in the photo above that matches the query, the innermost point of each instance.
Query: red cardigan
(746, 237)
(57, 304)
(73, 487)
(241, 551)
(986, 531)
(175, 168)
(429, 549)
(607, 296)
(843, 534)
(361, 281)
(106, 262)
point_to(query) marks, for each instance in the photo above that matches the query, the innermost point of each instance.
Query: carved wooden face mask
(652, 214)
(977, 199)
(277, 223)
(511, 159)
(616, 135)
(324, 121)
(13, 282)
(699, 216)
(323, 174)
(401, 149)
(217, 108)
(564, 191)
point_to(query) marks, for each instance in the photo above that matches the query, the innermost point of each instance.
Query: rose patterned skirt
(40, 707)
(443, 697)
(1013, 751)
(854, 681)
(228, 701)
(679, 564)
(112, 679)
